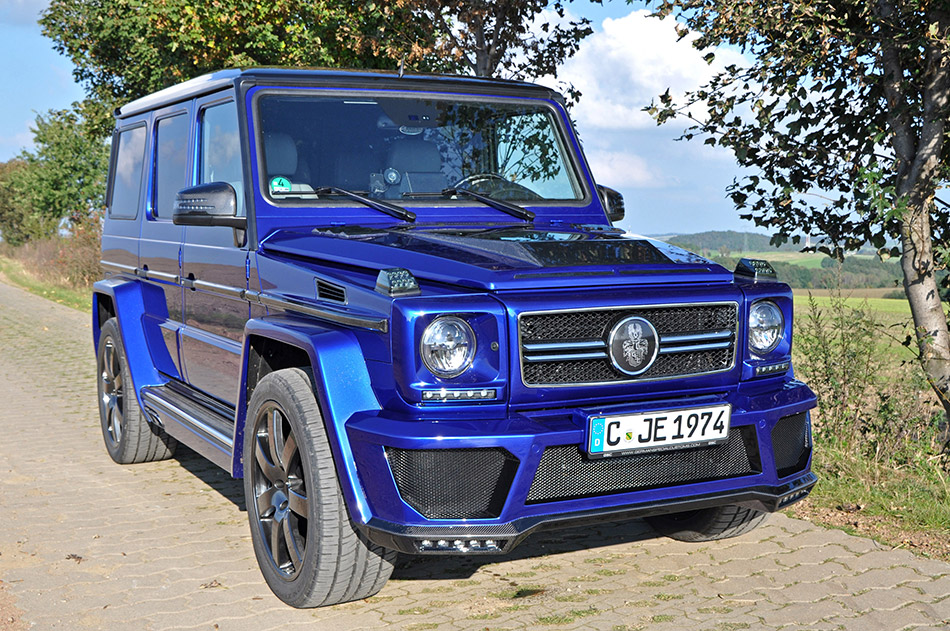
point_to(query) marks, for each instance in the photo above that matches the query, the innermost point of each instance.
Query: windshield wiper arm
(384, 207)
(506, 207)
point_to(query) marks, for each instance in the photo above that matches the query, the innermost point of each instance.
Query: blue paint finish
(469, 261)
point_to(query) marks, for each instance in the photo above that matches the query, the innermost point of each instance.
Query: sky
(669, 186)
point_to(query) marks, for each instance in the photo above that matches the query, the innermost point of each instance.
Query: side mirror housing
(613, 203)
(213, 204)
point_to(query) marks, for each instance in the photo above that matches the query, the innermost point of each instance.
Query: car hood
(503, 258)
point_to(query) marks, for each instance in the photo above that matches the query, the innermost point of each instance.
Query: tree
(17, 225)
(124, 49)
(514, 39)
(64, 176)
(841, 120)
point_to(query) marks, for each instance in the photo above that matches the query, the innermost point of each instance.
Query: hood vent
(330, 292)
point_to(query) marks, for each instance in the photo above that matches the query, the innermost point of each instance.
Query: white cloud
(21, 11)
(623, 169)
(631, 61)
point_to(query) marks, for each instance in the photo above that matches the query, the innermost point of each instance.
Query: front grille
(453, 483)
(566, 473)
(571, 347)
(791, 444)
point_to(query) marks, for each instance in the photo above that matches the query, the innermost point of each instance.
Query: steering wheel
(497, 186)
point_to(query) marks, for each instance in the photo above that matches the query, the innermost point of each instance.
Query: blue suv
(397, 308)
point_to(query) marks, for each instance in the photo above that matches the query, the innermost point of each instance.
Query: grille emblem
(633, 344)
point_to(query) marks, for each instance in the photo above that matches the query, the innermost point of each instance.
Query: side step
(204, 424)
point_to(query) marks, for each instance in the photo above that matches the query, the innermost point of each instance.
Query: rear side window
(220, 149)
(127, 176)
(171, 163)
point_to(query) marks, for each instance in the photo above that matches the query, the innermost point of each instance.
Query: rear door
(160, 244)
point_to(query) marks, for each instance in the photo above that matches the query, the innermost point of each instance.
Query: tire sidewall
(118, 451)
(274, 389)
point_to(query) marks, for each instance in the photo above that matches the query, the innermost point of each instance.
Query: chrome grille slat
(569, 348)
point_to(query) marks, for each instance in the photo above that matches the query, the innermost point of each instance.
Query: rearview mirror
(213, 204)
(613, 203)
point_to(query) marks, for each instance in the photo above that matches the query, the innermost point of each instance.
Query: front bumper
(451, 486)
(502, 538)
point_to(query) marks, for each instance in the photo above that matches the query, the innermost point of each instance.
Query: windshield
(410, 148)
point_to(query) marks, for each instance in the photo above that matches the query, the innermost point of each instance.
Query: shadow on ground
(539, 545)
(212, 475)
(418, 567)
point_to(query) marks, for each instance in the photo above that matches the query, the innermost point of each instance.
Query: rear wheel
(309, 551)
(128, 436)
(708, 524)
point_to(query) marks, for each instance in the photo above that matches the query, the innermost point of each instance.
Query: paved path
(87, 544)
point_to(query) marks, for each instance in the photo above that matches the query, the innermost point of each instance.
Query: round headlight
(766, 327)
(448, 346)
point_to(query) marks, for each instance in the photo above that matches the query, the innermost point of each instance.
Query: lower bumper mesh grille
(453, 483)
(567, 473)
(791, 444)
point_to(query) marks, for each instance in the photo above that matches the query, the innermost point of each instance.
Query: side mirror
(613, 203)
(213, 204)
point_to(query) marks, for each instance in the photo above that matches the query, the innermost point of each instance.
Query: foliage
(17, 222)
(840, 119)
(514, 39)
(124, 49)
(64, 176)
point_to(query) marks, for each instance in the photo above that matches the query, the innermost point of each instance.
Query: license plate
(658, 430)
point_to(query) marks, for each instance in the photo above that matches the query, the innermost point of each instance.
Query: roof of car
(320, 77)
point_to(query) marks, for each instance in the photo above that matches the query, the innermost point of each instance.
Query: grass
(917, 495)
(16, 274)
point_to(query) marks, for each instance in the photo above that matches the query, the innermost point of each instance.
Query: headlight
(766, 327)
(448, 346)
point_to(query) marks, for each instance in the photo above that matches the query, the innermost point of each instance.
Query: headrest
(415, 155)
(281, 154)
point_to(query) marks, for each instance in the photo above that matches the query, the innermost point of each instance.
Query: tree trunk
(920, 286)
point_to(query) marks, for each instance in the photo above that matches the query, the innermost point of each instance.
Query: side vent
(330, 292)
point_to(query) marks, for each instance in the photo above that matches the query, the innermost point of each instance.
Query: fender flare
(129, 299)
(342, 387)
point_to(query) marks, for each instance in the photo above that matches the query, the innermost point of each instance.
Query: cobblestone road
(87, 544)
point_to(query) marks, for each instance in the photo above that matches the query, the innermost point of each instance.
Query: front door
(213, 265)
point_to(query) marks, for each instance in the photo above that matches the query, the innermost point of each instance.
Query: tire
(308, 550)
(128, 436)
(708, 524)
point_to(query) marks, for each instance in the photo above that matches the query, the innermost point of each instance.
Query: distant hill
(728, 240)
(800, 270)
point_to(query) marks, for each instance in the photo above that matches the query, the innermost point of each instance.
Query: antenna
(402, 65)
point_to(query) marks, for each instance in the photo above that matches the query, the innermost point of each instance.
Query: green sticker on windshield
(279, 185)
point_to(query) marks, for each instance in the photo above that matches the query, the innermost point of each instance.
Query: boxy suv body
(396, 307)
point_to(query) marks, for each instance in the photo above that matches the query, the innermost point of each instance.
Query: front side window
(219, 158)
(171, 163)
(127, 174)
(413, 148)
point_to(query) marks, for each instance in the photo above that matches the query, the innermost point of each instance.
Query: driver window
(220, 153)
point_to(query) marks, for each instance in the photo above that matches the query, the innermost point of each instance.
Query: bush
(869, 403)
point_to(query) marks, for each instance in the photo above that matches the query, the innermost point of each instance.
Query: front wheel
(309, 551)
(708, 524)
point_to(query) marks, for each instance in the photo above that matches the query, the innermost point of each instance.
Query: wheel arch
(339, 378)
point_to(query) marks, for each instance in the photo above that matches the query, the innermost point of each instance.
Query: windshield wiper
(384, 207)
(506, 207)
